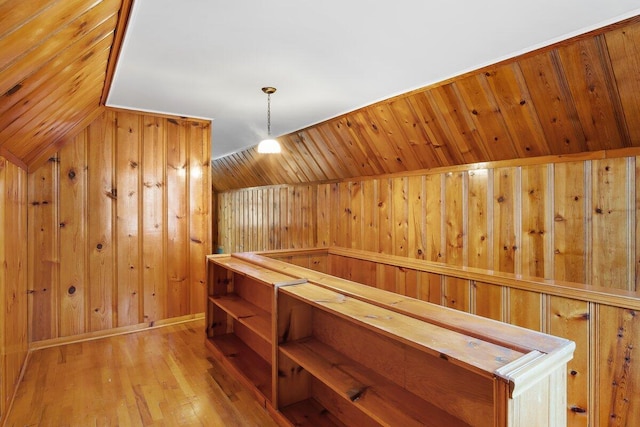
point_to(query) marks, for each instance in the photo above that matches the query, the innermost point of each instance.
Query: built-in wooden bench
(343, 353)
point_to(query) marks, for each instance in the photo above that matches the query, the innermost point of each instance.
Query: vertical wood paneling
(362, 271)
(73, 251)
(416, 232)
(370, 215)
(618, 376)
(199, 137)
(13, 279)
(105, 209)
(504, 227)
(569, 222)
(43, 251)
(479, 239)
(385, 215)
(274, 225)
(409, 278)
(489, 301)
(334, 223)
(256, 210)
(100, 156)
(295, 214)
(153, 219)
(323, 215)
(265, 216)
(223, 229)
(344, 215)
(385, 276)
(525, 309)
(554, 220)
(128, 183)
(570, 319)
(178, 291)
(457, 294)
(429, 287)
(309, 200)
(400, 217)
(610, 223)
(455, 202)
(534, 211)
(434, 205)
(356, 211)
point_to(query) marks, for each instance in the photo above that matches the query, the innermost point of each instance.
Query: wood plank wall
(556, 217)
(13, 279)
(119, 226)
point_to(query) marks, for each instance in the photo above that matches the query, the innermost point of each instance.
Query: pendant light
(269, 145)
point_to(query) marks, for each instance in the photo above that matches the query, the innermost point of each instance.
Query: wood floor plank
(159, 377)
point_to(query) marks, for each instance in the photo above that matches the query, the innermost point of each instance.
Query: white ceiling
(209, 58)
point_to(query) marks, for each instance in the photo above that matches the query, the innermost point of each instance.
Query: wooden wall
(119, 226)
(553, 217)
(13, 279)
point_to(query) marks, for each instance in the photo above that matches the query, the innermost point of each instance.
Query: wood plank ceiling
(578, 95)
(55, 57)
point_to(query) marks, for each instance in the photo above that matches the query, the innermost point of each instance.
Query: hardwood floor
(159, 377)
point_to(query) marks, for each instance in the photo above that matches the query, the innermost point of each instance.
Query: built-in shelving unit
(239, 320)
(321, 357)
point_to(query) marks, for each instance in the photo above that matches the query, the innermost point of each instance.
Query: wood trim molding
(113, 332)
(12, 158)
(578, 291)
(116, 47)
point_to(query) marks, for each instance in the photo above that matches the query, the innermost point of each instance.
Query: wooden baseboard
(114, 331)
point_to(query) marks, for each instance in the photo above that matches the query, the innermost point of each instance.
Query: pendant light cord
(269, 114)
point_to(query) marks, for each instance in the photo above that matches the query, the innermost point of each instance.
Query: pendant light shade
(269, 145)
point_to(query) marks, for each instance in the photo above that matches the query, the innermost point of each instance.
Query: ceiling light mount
(269, 145)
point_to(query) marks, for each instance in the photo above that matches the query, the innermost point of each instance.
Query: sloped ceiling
(54, 61)
(575, 96)
(57, 58)
(209, 58)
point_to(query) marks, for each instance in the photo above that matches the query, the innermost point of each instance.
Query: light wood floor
(160, 377)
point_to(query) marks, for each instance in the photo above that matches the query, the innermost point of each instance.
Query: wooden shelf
(331, 356)
(435, 340)
(250, 315)
(381, 399)
(310, 413)
(245, 361)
